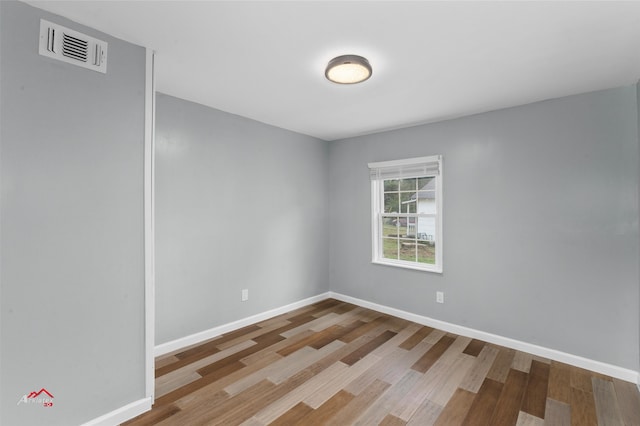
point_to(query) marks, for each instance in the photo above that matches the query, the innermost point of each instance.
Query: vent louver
(72, 47)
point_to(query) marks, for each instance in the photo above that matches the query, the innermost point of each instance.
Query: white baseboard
(195, 338)
(578, 361)
(122, 414)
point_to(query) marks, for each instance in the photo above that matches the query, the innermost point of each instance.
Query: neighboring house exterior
(425, 200)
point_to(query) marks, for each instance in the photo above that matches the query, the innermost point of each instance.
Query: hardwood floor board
(438, 384)
(337, 383)
(580, 379)
(501, 366)
(440, 394)
(323, 305)
(168, 383)
(275, 347)
(279, 319)
(366, 348)
(522, 361)
(583, 410)
(541, 359)
(252, 335)
(288, 401)
(195, 414)
(416, 337)
(474, 347)
(234, 409)
(454, 413)
(508, 405)
(445, 349)
(426, 415)
(535, 396)
(202, 395)
(237, 414)
(279, 375)
(483, 406)
(317, 324)
(292, 363)
(607, 408)
(557, 413)
(291, 417)
(166, 360)
(179, 393)
(629, 401)
(188, 373)
(338, 364)
(432, 355)
(390, 420)
(334, 333)
(393, 372)
(526, 419)
(324, 413)
(310, 339)
(374, 325)
(232, 335)
(394, 394)
(360, 403)
(478, 372)
(328, 320)
(344, 307)
(392, 344)
(151, 418)
(434, 336)
(559, 382)
(368, 377)
(237, 356)
(209, 348)
(293, 323)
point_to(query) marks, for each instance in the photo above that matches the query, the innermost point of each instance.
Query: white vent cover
(73, 47)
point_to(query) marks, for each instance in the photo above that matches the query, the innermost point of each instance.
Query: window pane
(391, 185)
(426, 202)
(426, 229)
(390, 226)
(426, 252)
(408, 184)
(391, 202)
(408, 250)
(426, 240)
(390, 248)
(423, 181)
(407, 202)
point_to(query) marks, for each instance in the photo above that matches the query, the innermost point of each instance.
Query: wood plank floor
(338, 364)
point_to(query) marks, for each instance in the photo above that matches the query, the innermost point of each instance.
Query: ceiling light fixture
(348, 69)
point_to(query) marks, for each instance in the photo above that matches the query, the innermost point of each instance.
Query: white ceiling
(431, 60)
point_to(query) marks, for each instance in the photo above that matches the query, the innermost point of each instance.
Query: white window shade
(401, 169)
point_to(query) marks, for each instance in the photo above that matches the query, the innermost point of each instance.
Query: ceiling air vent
(70, 46)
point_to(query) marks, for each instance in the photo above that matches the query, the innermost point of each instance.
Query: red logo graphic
(43, 397)
(36, 394)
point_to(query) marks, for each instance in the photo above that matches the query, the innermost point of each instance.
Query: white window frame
(377, 208)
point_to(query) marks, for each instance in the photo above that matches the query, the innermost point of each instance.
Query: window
(406, 201)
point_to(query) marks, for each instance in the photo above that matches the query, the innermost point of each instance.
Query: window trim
(377, 211)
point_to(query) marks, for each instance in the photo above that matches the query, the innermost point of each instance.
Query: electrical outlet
(245, 294)
(440, 296)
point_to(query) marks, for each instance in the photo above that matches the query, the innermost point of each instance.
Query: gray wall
(71, 207)
(239, 204)
(540, 224)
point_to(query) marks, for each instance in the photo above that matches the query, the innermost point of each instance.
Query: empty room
(319, 213)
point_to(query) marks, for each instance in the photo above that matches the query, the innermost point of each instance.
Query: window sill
(428, 268)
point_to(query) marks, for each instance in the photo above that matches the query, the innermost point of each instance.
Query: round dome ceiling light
(348, 69)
